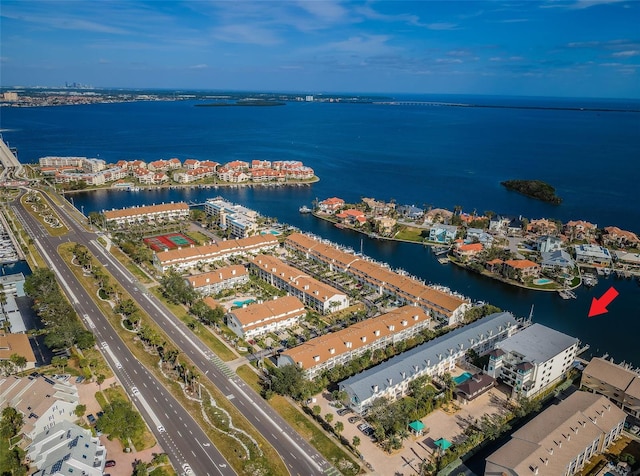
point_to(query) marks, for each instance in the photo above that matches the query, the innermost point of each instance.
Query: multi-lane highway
(189, 448)
(298, 455)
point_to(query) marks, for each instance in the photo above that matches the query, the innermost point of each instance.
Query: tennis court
(168, 242)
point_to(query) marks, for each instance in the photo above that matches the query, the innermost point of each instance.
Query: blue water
(542, 281)
(243, 302)
(439, 156)
(462, 378)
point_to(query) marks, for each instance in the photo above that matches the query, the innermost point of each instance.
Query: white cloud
(626, 54)
(246, 33)
(199, 66)
(592, 3)
(442, 26)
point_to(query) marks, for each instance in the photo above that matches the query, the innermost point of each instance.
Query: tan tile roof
(212, 303)
(296, 278)
(283, 307)
(520, 263)
(319, 350)
(15, 344)
(217, 276)
(145, 210)
(220, 249)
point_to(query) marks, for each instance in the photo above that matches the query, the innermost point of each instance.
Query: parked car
(344, 411)
(91, 418)
(354, 419)
(110, 464)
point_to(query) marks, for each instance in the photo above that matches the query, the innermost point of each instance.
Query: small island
(534, 189)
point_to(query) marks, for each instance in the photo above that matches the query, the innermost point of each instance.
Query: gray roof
(559, 257)
(362, 383)
(537, 343)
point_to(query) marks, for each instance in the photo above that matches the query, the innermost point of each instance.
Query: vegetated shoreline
(534, 189)
(249, 102)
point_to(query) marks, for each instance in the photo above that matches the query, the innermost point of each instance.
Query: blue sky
(585, 48)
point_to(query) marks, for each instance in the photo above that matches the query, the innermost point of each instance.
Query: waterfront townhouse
(192, 175)
(260, 164)
(533, 359)
(66, 449)
(164, 165)
(442, 305)
(580, 230)
(593, 255)
(215, 281)
(618, 382)
(520, 269)
(614, 236)
(313, 293)
(443, 233)
(331, 205)
(341, 347)
(191, 164)
(43, 401)
(560, 440)
(557, 260)
(433, 358)
(267, 175)
(186, 258)
(237, 165)
(147, 214)
(147, 177)
(16, 344)
(239, 220)
(270, 316)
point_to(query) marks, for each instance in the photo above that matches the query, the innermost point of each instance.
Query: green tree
(328, 417)
(339, 427)
(121, 421)
(80, 410)
(59, 362)
(356, 441)
(316, 410)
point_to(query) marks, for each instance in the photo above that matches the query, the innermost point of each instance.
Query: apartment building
(186, 258)
(560, 440)
(43, 401)
(617, 382)
(239, 220)
(66, 448)
(433, 358)
(340, 347)
(215, 281)
(533, 359)
(442, 305)
(313, 293)
(270, 316)
(147, 214)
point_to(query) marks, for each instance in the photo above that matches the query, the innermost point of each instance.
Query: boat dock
(567, 294)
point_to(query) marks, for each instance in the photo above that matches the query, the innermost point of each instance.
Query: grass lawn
(408, 233)
(62, 230)
(130, 265)
(198, 237)
(299, 421)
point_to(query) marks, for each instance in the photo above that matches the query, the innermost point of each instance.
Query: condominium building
(439, 304)
(215, 281)
(433, 358)
(340, 347)
(533, 359)
(313, 293)
(239, 220)
(257, 319)
(619, 383)
(560, 440)
(147, 214)
(66, 448)
(81, 163)
(183, 259)
(42, 401)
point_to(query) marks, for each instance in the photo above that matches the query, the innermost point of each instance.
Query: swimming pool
(463, 377)
(542, 281)
(242, 303)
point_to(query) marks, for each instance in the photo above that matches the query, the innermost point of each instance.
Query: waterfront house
(385, 225)
(478, 235)
(561, 439)
(542, 227)
(215, 281)
(614, 236)
(270, 316)
(444, 234)
(494, 265)
(532, 360)
(313, 293)
(42, 401)
(438, 215)
(499, 223)
(520, 269)
(410, 211)
(433, 358)
(331, 205)
(620, 383)
(66, 448)
(515, 227)
(557, 260)
(547, 243)
(378, 207)
(592, 255)
(340, 347)
(465, 251)
(580, 230)
(352, 217)
(627, 260)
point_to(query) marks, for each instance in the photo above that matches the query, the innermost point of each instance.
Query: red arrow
(599, 306)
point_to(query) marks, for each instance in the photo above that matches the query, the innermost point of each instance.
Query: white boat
(305, 209)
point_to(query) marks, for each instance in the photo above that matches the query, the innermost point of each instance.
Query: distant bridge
(421, 103)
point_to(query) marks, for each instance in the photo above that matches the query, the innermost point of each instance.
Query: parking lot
(438, 423)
